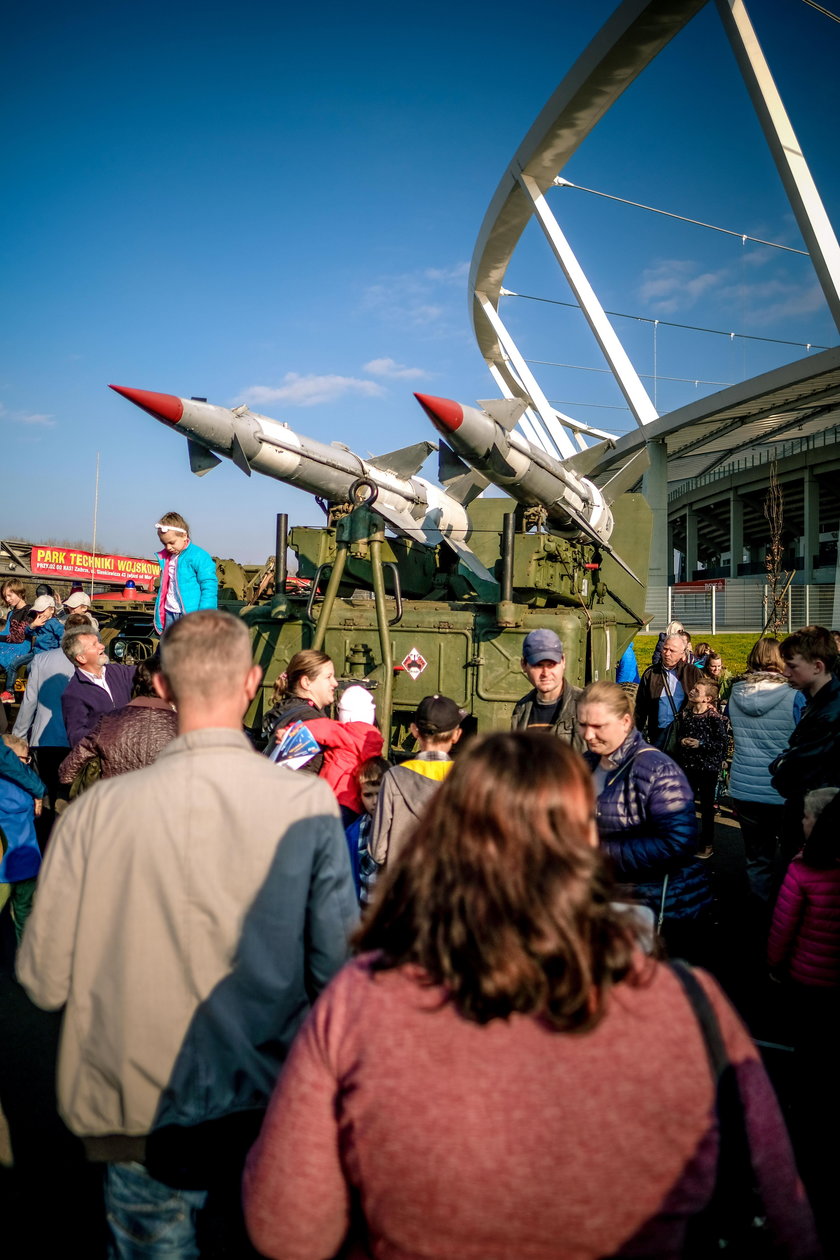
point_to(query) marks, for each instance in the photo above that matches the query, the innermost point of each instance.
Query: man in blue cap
(552, 704)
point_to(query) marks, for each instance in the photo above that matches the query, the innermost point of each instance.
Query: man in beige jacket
(186, 916)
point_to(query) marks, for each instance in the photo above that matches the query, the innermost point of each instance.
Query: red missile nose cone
(165, 407)
(444, 414)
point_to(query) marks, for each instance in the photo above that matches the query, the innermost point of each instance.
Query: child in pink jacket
(804, 942)
(804, 952)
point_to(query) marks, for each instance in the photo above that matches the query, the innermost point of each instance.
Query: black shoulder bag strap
(669, 693)
(734, 1217)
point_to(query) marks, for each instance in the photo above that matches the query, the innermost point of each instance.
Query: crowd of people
(337, 1006)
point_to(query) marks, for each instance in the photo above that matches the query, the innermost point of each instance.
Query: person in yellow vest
(406, 789)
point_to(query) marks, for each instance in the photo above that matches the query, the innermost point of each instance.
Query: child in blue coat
(20, 797)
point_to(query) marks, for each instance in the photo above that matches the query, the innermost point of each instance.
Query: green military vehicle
(405, 620)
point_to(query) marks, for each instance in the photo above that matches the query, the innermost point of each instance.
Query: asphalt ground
(51, 1195)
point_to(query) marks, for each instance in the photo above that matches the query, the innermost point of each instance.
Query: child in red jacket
(347, 743)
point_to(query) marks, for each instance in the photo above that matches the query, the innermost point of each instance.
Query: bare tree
(777, 578)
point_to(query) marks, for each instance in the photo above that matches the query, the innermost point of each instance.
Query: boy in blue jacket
(45, 631)
(20, 799)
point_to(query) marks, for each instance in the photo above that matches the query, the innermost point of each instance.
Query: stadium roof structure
(796, 400)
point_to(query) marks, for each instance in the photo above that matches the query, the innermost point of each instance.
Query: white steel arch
(625, 46)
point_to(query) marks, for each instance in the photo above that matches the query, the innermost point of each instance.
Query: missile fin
(201, 459)
(239, 457)
(485, 584)
(586, 528)
(405, 462)
(505, 411)
(404, 523)
(482, 579)
(586, 460)
(460, 481)
(626, 476)
(624, 565)
(464, 489)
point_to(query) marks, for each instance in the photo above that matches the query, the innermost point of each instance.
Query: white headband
(170, 529)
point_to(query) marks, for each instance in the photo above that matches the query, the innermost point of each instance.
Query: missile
(412, 506)
(485, 439)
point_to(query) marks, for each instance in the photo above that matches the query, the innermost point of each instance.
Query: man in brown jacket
(186, 916)
(663, 689)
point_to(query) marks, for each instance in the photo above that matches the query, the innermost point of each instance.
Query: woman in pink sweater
(501, 1075)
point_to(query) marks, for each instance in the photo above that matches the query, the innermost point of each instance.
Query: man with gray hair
(96, 685)
(187, 914)
(40, 721)
(664, 687)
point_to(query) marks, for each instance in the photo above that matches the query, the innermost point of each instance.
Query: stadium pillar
(690, 543)
(811, 527)
(655, 490)
(736, 532)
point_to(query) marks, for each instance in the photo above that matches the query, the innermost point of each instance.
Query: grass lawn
(734, 648)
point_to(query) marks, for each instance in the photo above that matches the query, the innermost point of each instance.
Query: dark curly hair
(500, 894)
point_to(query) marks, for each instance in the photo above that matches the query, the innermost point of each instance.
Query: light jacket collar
(622, 753)
(211, 737)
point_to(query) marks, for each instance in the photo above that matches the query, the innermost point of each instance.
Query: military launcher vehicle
(400, 618)
(442, 607)
(403, 618)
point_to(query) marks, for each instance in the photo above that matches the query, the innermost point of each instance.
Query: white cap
(356, 705)
(77, 600)
(42, 603)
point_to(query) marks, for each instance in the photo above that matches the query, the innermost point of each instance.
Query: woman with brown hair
(494, 1076)
(715, 670)
(303, 693)
(763, 711)
(13, 638)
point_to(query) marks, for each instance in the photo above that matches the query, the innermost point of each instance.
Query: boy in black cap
(552, 705)
(407, 788)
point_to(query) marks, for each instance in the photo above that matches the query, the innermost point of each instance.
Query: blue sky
(275, 204)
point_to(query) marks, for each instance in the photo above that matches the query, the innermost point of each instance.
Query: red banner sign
(63, 562)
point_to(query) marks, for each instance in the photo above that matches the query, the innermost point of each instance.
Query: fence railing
(740, 607)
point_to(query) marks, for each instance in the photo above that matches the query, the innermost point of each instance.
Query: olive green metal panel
(418, 565)
(434, 640)
(632, 531)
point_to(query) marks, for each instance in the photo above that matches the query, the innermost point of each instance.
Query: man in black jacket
(663, 689)
(811, 757)
(552, 704)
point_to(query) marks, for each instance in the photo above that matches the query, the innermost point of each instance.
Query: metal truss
(635, 34)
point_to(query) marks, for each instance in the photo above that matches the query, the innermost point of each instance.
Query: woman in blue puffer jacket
(646, 820)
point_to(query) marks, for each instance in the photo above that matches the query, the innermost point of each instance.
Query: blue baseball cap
(542, 645)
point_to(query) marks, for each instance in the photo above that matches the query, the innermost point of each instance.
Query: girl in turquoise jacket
(188, 574)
